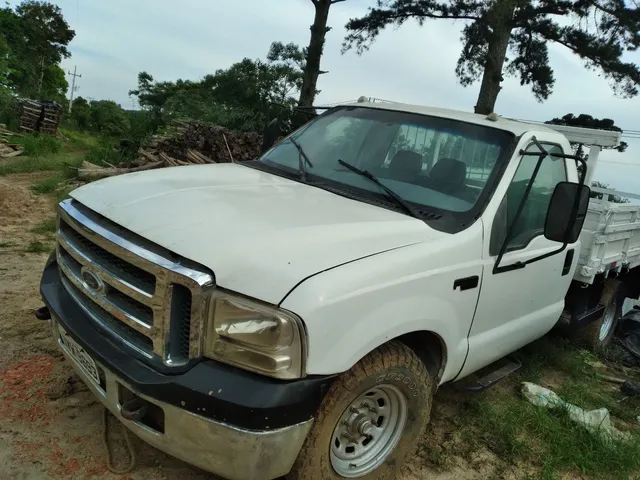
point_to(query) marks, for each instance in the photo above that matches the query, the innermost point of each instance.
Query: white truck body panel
(354, 309)
(281, 241)
(519, 306)
(610, 238)
(259, 233)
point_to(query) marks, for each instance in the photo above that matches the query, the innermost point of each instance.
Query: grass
(47, 185)
(518, 432)
(105, 154)
(58, 162)
(36, 246)
(45, 227)
(38, 145)
(79, 141)
(7, 244)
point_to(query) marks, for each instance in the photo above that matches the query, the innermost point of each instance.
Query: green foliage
(520, 433)
(108, 118)
(46, 227)
(48, 185)
(77, 140)
(5, 55)
(241, 97)
(7, 244)
(106, 153)
(37, 36)
(612, 198)
(43, 163)
(523, 30)
(7, 103)
(587, 121)
(36, 246)
(36, 145)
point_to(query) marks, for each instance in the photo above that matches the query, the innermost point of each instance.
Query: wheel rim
(607, 320)
(368, 431)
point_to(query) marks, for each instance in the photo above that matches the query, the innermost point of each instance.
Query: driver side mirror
(567, 212)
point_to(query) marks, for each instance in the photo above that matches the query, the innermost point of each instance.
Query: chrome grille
(145, 296)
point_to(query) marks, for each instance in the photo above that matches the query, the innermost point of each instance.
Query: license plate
(79, 354)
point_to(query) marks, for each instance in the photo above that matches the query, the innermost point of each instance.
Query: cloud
(117, 39)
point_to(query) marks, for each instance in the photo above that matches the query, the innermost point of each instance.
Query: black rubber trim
(210, 389)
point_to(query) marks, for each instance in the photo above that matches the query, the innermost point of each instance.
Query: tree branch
(597, 6)
(336, 1)
(447, 16)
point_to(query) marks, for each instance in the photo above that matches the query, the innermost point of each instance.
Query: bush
(105, 154)
(37, 145)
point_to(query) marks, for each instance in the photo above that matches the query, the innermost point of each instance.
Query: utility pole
(73, 84)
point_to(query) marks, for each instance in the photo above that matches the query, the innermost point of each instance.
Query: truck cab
(295, 314)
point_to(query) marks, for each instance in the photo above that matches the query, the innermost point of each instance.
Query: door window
(531, 222)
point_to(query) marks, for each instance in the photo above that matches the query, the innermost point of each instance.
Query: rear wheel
(370, 420)
(598, 334)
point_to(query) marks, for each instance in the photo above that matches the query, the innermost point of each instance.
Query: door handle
(568, 260)
(466, 283)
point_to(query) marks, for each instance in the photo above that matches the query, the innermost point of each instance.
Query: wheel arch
(430, 348)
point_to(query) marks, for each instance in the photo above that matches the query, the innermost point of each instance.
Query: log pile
(191, 143)
(51, 116)
(219, 144)
(7, 149)
(39, 116)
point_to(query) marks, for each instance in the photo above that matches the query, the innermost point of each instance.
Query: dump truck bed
(610, 238)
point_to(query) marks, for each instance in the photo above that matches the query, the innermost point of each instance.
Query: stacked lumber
(7, 149)
(190, 143)
(29, 112)
(219, 144)
(51, 116)
(37, 116)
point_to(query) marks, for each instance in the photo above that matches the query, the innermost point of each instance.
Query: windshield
(436, 163)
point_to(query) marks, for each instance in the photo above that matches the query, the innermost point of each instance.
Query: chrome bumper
(225, 450)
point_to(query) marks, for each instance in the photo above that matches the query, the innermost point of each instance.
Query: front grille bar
(139, 280)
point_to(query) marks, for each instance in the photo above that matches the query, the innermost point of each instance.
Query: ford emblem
(91, 281)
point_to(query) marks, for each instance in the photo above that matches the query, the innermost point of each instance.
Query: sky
(116, 39)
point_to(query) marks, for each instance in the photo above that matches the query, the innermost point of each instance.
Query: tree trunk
(314, 52)
(500, 21)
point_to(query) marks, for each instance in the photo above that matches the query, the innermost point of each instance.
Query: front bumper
(225, 450)
(219, 418)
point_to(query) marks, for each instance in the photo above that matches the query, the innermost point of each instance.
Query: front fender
(351, 310)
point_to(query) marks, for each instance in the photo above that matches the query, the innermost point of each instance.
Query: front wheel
(370, 420)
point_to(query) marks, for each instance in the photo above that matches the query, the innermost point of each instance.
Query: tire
(599, 333)
(388, 376)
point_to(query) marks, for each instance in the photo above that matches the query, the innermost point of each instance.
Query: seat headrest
(406, 163)
(449, 173)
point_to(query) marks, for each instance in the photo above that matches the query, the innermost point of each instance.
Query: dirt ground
(51, 426)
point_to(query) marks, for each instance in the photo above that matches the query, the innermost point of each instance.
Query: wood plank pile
(190, 143)
(51, 116)
(39, 116)
(217, 143)
(8, 149)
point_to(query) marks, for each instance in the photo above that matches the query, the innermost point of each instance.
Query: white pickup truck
(294, 315)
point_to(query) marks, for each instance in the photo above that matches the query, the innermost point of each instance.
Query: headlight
(255, 336)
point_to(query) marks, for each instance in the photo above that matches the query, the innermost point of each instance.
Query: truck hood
(259, 233)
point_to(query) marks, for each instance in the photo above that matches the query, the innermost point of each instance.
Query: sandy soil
(51, 426)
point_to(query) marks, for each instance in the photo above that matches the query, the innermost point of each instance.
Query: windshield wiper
(390, 193)
(301, 155)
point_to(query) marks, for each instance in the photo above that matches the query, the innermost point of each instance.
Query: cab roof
(513, 126)
(578, 135)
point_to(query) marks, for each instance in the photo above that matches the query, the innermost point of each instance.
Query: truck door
(521, 305)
